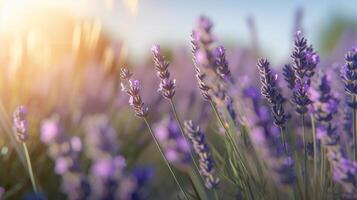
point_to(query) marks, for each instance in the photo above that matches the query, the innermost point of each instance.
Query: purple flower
(204, 23)
(349, 74)
(167, 86)
(304, 58)
(50, 130)
(132, 89)
(100, 137)
(200, 76)
(271, 92)
(176, 149)
(21, 124)
(289, 76)
(201, 148)
(304, 62)
(222, 64)
(300, 96)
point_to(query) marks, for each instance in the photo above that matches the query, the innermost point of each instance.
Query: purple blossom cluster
(107, 177)
(176, 149)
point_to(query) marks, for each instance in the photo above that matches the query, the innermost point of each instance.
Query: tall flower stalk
(167, 88)
(304, 62)
(21, 133)
(132, 89)
(207, 93)
(271, 92)
(349, 77)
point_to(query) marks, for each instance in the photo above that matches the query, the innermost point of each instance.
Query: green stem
(29, 166)
(355, 127)
(216, 197)
(322, 172)
(165, 159)
(227, 132)
(305, 156)
(315, 154)
(283, 140)
(184, 136)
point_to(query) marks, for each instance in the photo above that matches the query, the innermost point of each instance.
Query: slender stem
(216, 197)
(305, 156)
(173, 107)
(227, 132)
(322, 172)
(283, 140)
(315, 154)
(29, 166)
(165, 159)
(355, 127)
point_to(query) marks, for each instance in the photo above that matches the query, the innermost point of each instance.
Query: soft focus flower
(21, 124)
(202, 150)
(176, 148)
(50, 130)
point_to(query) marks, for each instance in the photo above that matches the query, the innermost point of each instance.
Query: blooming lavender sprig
(222, 64)
(300, 96)
(349, 77)
(167, 86)
(349, 73)
(21, 124)
(201, 148)
(289, 76)
(132, 89)
(305, 60)
(200, 76)
(271, 92)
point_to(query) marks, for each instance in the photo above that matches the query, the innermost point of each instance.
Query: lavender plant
(349, 77)
(132, 89)
(21, 131)
(93, 154)
(200, 146)
(272, 94)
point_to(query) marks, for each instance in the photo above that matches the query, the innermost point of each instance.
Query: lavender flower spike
(271, 92)
(21, 124)
(349, 72)
(167, 85)
(289, 76)
(349, 77)
(304, 58)
(222, 64)
(205, 158)
(21, 131)
(200, 76)
(132, 89)
(304, 63)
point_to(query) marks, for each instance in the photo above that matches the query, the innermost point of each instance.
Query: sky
(169, 22)
(142, 23)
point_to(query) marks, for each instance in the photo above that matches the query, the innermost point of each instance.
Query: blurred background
(61, 59)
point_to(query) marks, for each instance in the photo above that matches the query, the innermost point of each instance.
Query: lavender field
(156, 100)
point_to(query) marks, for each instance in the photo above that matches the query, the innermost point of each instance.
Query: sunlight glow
(132, 6)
